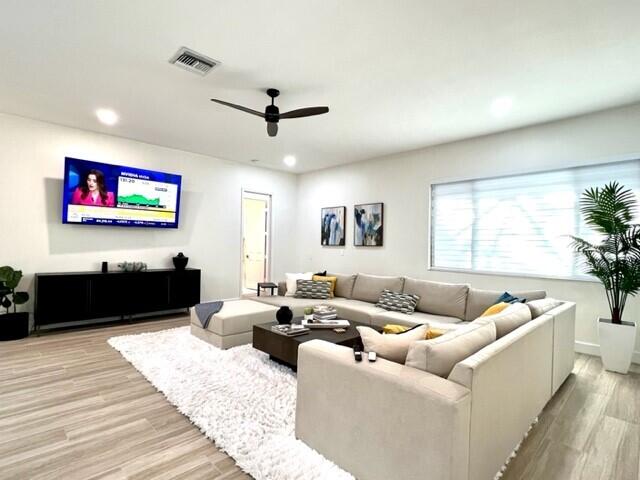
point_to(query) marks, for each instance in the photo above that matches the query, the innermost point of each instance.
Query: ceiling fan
(272, 114)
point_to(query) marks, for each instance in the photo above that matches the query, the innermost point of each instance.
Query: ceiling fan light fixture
(272, 113)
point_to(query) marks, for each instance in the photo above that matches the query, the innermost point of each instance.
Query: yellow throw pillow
(431, 333)
(323, 278)
(434, 333)
(493, 309)
(391, 328)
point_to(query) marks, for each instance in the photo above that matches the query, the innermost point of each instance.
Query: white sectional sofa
(387, 420)
(442, 305)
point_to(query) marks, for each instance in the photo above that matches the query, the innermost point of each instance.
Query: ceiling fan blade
(239, 107)
(272, 129)
(305, 112)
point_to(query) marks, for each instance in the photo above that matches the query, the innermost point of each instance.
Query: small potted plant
(308, 313)
(13, 325)
(615, 261)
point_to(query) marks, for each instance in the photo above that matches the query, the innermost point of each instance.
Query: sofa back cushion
(542, 306)
(344, 284)
(509, 319)
(448, 299)
(440, 355)
(369, 287)
(479, 300)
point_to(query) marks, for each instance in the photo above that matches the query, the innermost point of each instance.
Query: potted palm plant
(615, 261)
(13, 324)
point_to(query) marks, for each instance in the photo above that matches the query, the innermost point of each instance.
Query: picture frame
(333, 226)
(368, 224)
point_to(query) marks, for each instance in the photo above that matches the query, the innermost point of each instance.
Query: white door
(256, 213)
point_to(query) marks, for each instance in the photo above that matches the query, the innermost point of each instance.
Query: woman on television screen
(92, 191)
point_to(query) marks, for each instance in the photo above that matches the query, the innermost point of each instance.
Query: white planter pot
(617, 342)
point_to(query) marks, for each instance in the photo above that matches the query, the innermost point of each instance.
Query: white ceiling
(397, 75)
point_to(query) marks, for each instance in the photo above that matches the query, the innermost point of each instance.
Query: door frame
(248, 192)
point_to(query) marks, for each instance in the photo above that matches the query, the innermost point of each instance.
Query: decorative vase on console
(284, 315)
(180, 261)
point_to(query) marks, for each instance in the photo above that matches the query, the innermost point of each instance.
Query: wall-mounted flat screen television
(102, 194)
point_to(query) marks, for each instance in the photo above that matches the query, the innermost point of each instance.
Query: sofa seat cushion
(383, 317)
(440, 355)
(344, 284)
(392, 346)
(355, 310)
(479, 300)
(368, 288)
(512, 317)
(449, 299)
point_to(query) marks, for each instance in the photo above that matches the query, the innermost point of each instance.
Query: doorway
(256, 239)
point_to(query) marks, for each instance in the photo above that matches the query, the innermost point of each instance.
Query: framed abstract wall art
(332, 226)
(368, 225)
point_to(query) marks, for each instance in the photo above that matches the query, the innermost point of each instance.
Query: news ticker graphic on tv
(103, 194)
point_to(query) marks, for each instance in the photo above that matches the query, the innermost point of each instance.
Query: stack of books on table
(289, 330)
(325, 316)
(324, 312)
(335, 323)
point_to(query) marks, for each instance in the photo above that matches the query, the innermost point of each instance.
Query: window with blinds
(518, 224)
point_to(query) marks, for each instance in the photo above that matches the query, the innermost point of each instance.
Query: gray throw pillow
(398, 302)
(313, 289)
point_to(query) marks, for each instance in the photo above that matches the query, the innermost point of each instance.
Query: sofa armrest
(282, 288)
(564, 338)
(381, 420)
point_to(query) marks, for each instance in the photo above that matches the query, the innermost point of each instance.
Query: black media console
(70, 297)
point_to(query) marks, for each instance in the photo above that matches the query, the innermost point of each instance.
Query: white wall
(402, 183)
(33, 238)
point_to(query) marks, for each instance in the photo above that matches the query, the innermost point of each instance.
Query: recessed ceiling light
(106, 116)
(501, 106)
(289, 160)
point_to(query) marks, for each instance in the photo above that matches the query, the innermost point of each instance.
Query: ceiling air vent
(193, 61)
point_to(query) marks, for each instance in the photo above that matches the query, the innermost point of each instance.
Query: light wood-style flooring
(590, 430)
(72, 408)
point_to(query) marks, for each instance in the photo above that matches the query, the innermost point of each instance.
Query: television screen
(101, 194)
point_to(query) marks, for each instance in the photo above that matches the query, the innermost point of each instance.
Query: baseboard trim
(594, 349)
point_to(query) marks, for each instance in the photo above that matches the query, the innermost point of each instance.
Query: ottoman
(233, 325)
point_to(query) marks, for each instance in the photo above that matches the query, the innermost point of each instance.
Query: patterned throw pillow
(312, 289)
(398, 302)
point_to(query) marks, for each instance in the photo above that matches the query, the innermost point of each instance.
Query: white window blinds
(518, 224)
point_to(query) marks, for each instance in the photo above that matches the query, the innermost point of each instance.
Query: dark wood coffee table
(284, 349)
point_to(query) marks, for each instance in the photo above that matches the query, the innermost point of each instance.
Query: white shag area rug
(237, 397)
